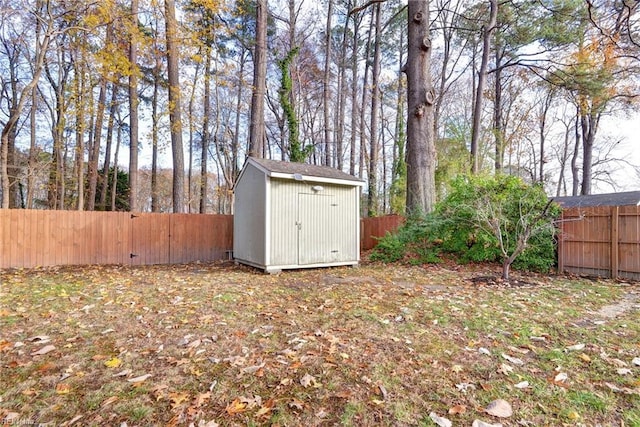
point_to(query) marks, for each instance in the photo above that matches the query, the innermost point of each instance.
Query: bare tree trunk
(235, 148)
(498, 129)
(79, 130)
(175, 109)
(589, 124)
(482, 79)
(107, 154)
(372, 199)
(575, 172)
(421, 151)
(256, 126)
(192, 131)
(206, 135)
(339, 118)
(365, 80)
(326, 92)
(133, 113)
(114, 177)
(94, 154)
(155, 204)
(354, 95)
(32, 148)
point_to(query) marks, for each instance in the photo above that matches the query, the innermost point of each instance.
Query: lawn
(218, 344)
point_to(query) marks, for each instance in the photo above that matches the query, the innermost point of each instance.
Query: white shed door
(317, 233)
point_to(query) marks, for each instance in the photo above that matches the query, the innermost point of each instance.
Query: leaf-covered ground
(218, 344)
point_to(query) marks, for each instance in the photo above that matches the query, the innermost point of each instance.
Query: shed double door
(318, 229)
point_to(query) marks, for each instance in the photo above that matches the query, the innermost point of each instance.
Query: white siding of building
(249, 221)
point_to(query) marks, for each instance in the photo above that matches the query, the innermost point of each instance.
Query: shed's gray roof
(611, 199)
(304, 169)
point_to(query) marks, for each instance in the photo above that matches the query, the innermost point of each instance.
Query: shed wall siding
(339, 226)
(249, 240)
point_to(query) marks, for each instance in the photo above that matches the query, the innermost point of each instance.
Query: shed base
(275, 269)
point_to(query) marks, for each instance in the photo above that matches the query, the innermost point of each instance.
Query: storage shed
(600, 235)
(294, 215)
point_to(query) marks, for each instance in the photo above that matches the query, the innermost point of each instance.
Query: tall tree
(133, 108)
(487, 31)
(175, 108)
(372, 194)
(326, 87)
(257, 127)
(421, 152)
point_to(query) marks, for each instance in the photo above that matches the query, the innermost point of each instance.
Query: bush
(483, 219)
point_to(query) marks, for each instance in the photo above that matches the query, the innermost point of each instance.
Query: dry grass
(379, 345)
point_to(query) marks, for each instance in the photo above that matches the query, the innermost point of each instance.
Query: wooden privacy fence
(31, 238)
(600, 241)
(38, 238)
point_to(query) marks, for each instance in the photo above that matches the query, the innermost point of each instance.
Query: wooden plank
(5, 238)
(615, 210)
(15, 258)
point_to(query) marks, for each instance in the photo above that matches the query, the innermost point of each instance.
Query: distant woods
(153, 106)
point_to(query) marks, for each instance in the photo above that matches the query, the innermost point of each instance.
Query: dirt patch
(626, 304)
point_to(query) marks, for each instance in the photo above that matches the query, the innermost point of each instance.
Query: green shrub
(483, 219)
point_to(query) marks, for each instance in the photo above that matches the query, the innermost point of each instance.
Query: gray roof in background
(304, 169)
(611, 199)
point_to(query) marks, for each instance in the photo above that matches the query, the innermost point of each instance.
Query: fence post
(561, 244)
(615, 218)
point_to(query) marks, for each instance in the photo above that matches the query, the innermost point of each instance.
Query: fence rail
(39, 238)
(600, 241)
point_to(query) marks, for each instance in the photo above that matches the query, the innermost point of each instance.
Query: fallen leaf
(513, 360)
(463, 387)
(585, 357)
(62, 388)
(139, 379)
(624, 371)
(44, 350)
(109, 401)
(440, 421)
(308, 380)
(576, 347)
(457, 409)
(40, 338)
(296, 404)
(484, 351)
(561, 377)
(456, 368)
(235, 407)
(478, 423)
(499, 408)
(521, 385)
(178, 398)
(113, 363)
(123, 373)
(636, 361)
(201, 398)
(505, 369)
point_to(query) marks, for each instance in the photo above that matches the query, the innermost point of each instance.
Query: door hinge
(134, 216)
(132, 255)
